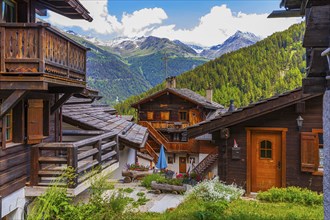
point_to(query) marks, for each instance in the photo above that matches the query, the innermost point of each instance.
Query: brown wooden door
(182, 165)
(266, 160)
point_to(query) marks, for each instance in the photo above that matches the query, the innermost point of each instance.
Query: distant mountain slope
(235, 42)
(270, 66)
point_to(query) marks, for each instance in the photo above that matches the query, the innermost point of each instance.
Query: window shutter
(309, 152)
(35, 121)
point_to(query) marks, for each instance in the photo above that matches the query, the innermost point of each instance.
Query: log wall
(235, 170)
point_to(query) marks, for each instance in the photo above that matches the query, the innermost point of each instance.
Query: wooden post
(68, 59)
(72, 158)
(41, 49)
(35, 153)
(98, 156)
(2, 49)
(326, 149)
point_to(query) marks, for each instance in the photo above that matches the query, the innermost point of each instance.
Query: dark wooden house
(166, 114)
(40, 69)
(273, 149)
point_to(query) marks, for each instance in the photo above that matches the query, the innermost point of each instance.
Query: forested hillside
(273, 65)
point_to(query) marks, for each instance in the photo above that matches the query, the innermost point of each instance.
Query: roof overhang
(69, 8)
(254, 110)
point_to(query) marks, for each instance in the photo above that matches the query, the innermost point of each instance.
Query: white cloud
(213, 28)
(220, 23)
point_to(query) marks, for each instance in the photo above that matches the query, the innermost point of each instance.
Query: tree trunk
(167, 187)
(326, 150)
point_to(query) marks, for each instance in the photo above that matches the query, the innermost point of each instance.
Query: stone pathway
(157, 202)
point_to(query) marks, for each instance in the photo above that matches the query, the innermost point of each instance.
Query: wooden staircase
(151, 152)
(206, 163)
(158, 136)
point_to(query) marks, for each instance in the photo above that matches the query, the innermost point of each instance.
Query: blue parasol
(161, 163)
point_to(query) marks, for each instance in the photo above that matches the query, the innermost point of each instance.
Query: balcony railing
(36, 49)
(50, 160)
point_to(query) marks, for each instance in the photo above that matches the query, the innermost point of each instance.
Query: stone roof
(101, 117)
(186, 94)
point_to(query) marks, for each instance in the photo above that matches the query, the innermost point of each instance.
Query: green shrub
(176, 182)
(291, 194)
(214, 190)
(140, 194)
(146, 181)
(126, 190)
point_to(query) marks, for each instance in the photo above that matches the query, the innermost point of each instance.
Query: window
(183, 116)
(265, 149)
(164, 116)
(170, 160)
(312, 151)
(8, 126)
(150, 115)
(9, 13)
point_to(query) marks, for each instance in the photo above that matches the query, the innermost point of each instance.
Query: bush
(213, 190)
(146, 181)
(291, 194)
(176, 182)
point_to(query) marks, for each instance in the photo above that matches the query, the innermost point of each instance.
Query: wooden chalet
(167, 114)
(279, 142)
(40, 69)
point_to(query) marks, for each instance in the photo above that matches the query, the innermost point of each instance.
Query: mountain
(235, 42)
(271, 66)
(150, 45)
(127, 67)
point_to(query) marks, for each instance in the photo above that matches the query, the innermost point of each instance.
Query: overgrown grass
(146, 181)
(292, 195)
(236, 210)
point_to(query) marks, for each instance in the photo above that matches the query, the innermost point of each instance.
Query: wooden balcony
(35, 56)
(97, 154)
(169, 125)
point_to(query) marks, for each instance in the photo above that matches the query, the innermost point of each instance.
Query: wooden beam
(318, 64)
(318, 27)
(11, 101)
(60, 102)
(81, 132)
(285, 13)
(312, 85)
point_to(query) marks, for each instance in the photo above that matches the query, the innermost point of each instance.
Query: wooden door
(266, 160)
(182, 165)
(194, 116)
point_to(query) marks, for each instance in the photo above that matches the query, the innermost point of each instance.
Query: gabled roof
(100, 117)
(185, 94)
(70, 8)
(251, 111)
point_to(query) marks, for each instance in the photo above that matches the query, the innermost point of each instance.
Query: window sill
(317, 173)
(12, 144)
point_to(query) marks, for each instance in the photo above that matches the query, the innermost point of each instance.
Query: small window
(150, 115)
(183, 116)
(8, 126)
(9, 13)
(265, 149)
(170, 160)
(165, 116)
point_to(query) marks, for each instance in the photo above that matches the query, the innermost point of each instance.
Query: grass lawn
(239, 209)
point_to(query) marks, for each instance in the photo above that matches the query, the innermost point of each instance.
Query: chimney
(171, 82)
(231, 106)
(209, 94)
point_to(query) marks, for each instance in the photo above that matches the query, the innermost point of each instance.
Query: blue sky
(200, 22)
(186, 13)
